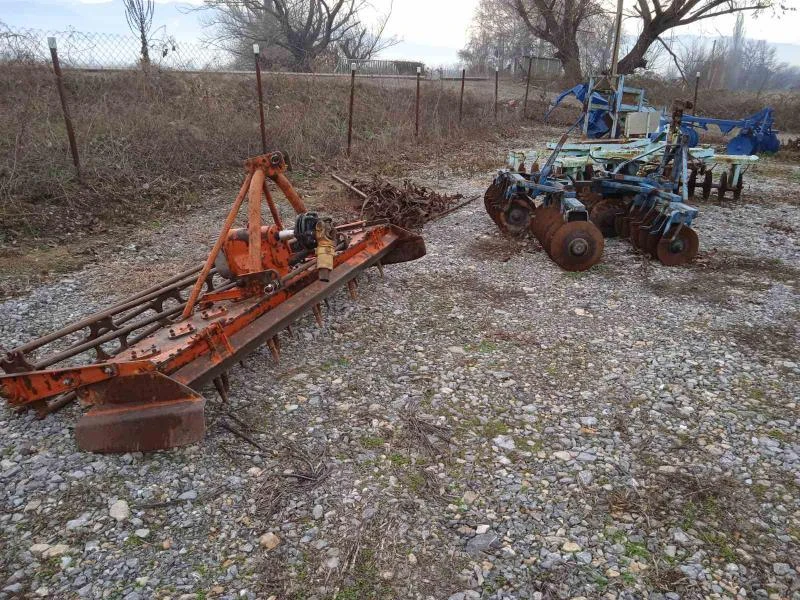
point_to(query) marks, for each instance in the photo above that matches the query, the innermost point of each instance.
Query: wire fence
(82, 50)
(85, 50)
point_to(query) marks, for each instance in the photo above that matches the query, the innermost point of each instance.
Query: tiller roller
(139, 365)
(546, 206)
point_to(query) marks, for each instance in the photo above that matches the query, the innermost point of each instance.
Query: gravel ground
(478, 424)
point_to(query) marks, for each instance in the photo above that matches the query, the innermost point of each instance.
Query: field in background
(150, 141)
(153, 142)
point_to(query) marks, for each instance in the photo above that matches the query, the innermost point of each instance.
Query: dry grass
(153, 142)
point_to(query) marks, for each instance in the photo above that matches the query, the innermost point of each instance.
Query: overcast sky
(431, 30)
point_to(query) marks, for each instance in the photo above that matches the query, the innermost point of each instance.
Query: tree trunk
(145, 49)
(635, 58)
(569, 55)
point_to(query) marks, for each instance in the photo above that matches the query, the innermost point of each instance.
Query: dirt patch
(772, 340)
(501, 248)
(721, 277)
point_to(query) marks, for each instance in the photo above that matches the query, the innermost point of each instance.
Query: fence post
(527, 87)
(73, 146)
(461, 99)
(256, 53)
(696, 86)
(496, 89)
(416, 108)
(350, 110)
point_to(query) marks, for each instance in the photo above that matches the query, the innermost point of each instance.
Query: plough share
(140, 364)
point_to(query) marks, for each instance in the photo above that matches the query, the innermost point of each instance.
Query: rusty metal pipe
(254, 219)
(291, 194)
(108, 337)
(73, 145)
(212, 257)
(273, 209)
(127, 304)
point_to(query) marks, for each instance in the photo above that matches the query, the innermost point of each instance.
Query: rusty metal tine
(318, 314)
(212, 256)
(226, 381)
(290, 331)
(273, 348)
(223, 393)
(380, 268)
(57, 404)
(352, 287)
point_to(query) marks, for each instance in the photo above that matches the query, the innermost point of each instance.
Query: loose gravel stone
(522, 432)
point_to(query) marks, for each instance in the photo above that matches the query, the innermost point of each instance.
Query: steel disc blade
(679, 251)
(602, 215)
(651, 244)
(541, 218)
(618, 223)
(492, 200)
(644, 232)
(741, 145)
(552, 228)
(576, 246)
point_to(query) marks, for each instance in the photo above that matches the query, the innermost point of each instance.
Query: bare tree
(304, 28)
(658, 17)
(139, 14)
(363, 42)
(559, 22)
(562, 22)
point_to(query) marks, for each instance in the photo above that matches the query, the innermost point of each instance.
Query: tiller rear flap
(149, 355)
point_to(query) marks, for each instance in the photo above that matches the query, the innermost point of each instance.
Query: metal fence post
(527, 87)
(256, 52)
(496, 89)
(73, 146)
(350, 110)
(461, 99)
(416, 109)
(696, 86)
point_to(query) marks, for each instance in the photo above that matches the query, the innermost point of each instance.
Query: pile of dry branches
(408, 206)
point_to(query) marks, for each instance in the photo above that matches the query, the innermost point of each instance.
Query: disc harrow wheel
(708, 181)
(644, 232)
(576, 246)
(737, 190)
(603, 215)
(492, 201)
(542, 217)
(723, 186)
(674, 250)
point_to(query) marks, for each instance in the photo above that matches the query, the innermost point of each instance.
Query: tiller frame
(155, 351)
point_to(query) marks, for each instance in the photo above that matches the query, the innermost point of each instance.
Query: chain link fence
(82, 50)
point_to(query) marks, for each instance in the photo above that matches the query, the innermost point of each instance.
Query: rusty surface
(30, 387)
(141, 391)
(408, 205)
(140, 413)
